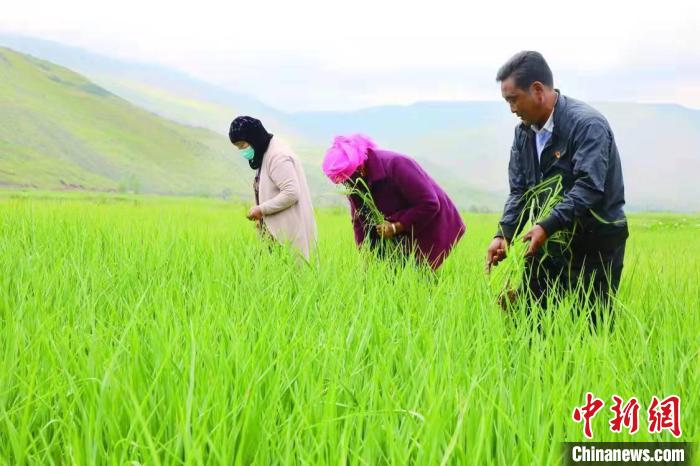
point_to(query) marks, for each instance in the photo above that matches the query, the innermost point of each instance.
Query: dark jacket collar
(559, 108)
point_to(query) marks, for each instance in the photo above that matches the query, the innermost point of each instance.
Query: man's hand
(388, 230)
(536, 236)
(496, 252)
(254, 213)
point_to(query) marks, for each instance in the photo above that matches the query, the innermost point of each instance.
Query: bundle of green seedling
(538, 203)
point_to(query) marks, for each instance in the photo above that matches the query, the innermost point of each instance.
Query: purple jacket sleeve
(357, 224)
(415, 186)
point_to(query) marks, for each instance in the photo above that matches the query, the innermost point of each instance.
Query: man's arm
(511, 220)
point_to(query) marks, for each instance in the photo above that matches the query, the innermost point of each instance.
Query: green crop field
(137, 330)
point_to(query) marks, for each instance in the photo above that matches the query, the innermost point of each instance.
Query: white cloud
(324, 54)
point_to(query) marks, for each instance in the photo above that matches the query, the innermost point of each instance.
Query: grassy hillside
(464, 145)
(179, 97)
(200, 107)
(59, 130)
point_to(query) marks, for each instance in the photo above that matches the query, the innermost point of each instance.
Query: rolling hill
(468, 144)
(179, 97)
(59, 130)
(464, 145)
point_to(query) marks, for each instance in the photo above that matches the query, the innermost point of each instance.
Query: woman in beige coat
(282, 199)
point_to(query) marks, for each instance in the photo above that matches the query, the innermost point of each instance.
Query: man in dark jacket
(561, 136)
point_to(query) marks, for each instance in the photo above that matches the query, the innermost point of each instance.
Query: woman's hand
(254, 213)
(388, 230)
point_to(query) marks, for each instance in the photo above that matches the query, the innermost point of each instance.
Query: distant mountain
(464, 145)
(152, 86)
(177, 96)
(468, 143)
(59, 130)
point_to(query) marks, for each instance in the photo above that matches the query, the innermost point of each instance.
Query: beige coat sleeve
(284, 175)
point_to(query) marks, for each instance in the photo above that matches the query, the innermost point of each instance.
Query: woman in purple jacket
(417, 212)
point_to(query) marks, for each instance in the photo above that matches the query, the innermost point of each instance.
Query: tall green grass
(146, 331)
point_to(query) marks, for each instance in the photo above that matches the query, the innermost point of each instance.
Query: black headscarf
(251, 130)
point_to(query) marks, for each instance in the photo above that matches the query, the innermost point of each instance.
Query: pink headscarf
(345, 155)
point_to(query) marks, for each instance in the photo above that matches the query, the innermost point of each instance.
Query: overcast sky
(320, 54)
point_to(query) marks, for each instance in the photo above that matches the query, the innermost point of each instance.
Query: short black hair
(525, 68)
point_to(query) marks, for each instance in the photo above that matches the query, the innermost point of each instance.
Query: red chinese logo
(665, 415)
(587, 412)
(662, 414)
(625, 416)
